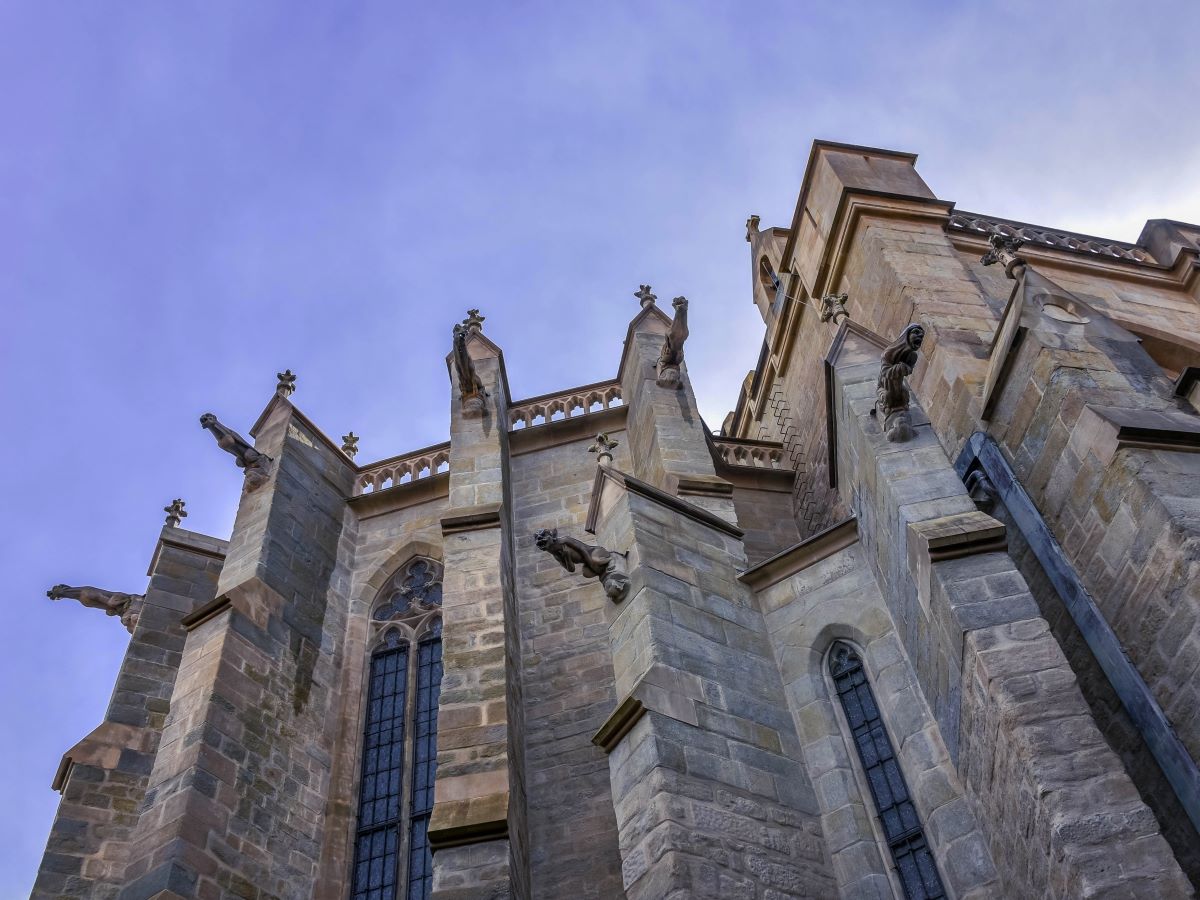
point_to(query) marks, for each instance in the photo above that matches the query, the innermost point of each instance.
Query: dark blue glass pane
(914, 863)
(429, 684)
(376, 850)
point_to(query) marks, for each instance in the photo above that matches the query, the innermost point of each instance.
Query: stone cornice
(209, 610)
(401, 496)
(472, 518)
(650, 492)
(800, 556)
(566, 430)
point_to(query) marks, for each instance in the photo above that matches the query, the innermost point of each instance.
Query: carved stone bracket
(892, 396)
(114, 603)
(833, 308)
(350, 444)
(287, 383)
(175, 512)
(257, 465)
(470, 386)
(596, 562)
(671, 357)
(603, 448)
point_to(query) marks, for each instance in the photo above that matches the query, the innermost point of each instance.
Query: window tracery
(392, 859)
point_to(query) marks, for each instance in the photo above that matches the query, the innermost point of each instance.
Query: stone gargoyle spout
(470, 385)
(257, 465)
(114, 603)
(671, 356)
(596, 562)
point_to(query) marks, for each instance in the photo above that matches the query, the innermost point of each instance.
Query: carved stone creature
(257, 465)
(981, 489)
(833, 307)
(175, 512)
(350, 444)
(671, 356)
(114, 603)
(892, 396)
(470, 386)
(603, 447)
(287, 383)
(596, 562)
(751, 228)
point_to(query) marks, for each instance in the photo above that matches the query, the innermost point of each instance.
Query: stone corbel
(596, 562)
(114, 603)
(257, 465)
(671, 357)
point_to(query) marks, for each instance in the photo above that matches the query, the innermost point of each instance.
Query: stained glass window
(392, 859)
(893, 804)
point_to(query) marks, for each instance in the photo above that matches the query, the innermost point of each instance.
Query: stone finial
(175, 512)
(833, 307)
(114, 603)
(645, 296)
(350, 444)
(1004, 250)
(287, 383)
(751, 228)
(470, 385)
(596, 562)
(671, 356)
(892, 396)
(257, 465)
(474, 321)
(603, 448)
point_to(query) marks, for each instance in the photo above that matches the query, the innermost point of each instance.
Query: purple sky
(195, 196)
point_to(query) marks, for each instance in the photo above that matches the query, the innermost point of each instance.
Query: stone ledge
(473, 820)
(800, 556)
(567, 430)
(191, 541)
(472, 518)
(401, 496)
(1106, 430)
(619, 724)
(962, 534)
(209, 610)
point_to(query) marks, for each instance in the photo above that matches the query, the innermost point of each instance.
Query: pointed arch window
(893, 804)
(392, 860)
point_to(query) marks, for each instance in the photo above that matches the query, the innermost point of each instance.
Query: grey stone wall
(568, 682)
(108, 771)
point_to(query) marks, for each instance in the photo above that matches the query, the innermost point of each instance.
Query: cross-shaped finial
(1004, 250)
(645, 295)
(287, 383)
(175, 512)
(350, 444)
(603, 449)
(474, 321)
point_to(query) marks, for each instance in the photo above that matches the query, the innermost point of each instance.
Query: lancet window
(392, 860)
(893, 804)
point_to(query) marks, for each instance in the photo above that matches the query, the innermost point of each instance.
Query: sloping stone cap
(637, 486)
(638, 323)
(800, 556)
(191, 541)
(845, 330)
(1105, 430)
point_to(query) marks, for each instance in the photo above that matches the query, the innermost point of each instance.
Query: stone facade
(812, 658)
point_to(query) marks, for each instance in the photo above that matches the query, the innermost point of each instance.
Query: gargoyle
(257, 465)
(596, 562)
(891, 390)
(833, 308)
(671, 356)
(1004, 249)
(114, 603)
(469, 383)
